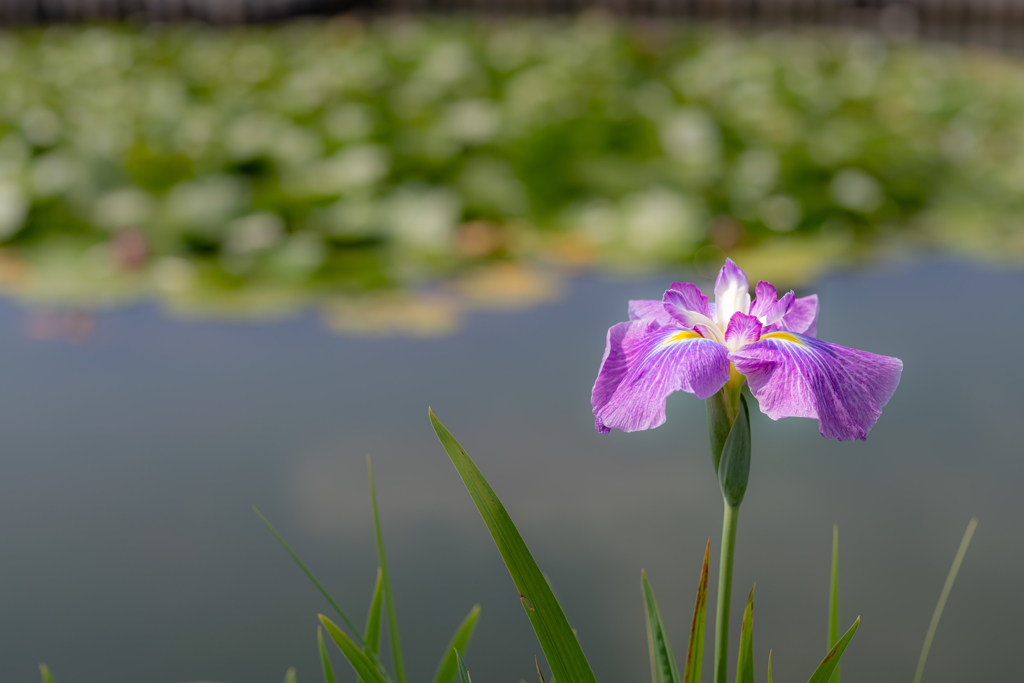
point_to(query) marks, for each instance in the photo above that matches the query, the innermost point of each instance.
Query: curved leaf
(663, 662)
(364, 668)
(745, 659)
(557, 640)
(828, 665)
(325, 661)
(695, 652)
(449, 663)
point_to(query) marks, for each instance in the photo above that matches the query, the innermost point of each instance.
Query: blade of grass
(695, 652)
(372, 634)
(449, 665)
(663, 662)
(831, 661)
(833, 601)
(323, 591)
(372, 637)
(557, 640)
(325, 660)
(961, 551)
(319, 586)
(745, 658)
(389, 599)
(364, 668)
(463, 673)
(769, 666)
(44, 671)
(289, 675)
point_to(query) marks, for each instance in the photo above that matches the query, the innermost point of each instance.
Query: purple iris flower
(682, 342)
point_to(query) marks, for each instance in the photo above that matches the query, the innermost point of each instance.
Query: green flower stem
(729, 519)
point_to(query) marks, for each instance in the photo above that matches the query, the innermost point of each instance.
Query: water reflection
(261, 171)
(130, 463)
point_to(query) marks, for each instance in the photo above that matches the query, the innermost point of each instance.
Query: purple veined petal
(743, 329)
(683, 296)
(732, 293)
(780, 309)
(767, 306)
(613, 363)
(643, 364)
(704, 325)
(649, 309)
(795, 375)
(802, 317)
(765, 296)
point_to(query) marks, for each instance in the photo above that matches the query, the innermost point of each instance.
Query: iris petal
(683, 296)
(649, 309)
(802, 316)
(796, 375)
(644, 363)
(732, 293)
(742, 330)
(765, 297)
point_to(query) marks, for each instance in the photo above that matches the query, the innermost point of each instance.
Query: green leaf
(448, 667)
(325, 661)
(769, 666)
(833, 602)
(44, 671)
(289, 675)
(463, 673)
(745, 659)
(828, 665)
(372, 633)
(320, 587)
(663, 662)
(734, 466)
(372, 637)
(961, 551)
(695, 652)
(557, 640)
(389, 600)
(364, 668)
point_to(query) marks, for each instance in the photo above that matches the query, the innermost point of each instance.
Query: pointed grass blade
(833, 600)
(449, 663)
(44, 671)
(325, 660)
(389, 600)
(302, 566)
(663, 662)
(557, 640)
(828, 665)
(289, 675)
(961, 551)
(745, 659)
(769, 666)
(372, 634)
(463, 672)
(364, 668)
(695, 652)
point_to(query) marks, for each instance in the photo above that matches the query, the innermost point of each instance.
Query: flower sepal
(733, 463)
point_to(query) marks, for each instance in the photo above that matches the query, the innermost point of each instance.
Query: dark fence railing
(998, 23)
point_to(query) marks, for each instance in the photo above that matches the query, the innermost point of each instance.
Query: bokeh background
(238, 255)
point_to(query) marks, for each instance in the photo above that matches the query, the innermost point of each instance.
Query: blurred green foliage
(254, 170)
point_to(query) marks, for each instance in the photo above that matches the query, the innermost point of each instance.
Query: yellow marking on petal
(785, 336)
(680, 336)
(685, 334)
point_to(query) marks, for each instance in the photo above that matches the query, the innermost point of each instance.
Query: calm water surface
(130, 553)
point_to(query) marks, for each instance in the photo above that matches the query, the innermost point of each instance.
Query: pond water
(130, 462)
